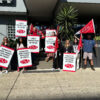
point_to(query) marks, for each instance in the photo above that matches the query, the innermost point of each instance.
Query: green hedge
(97, 37)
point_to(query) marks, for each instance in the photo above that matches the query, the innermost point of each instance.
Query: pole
(96, 50)
(81, 58)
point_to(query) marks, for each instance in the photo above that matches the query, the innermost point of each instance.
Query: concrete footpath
(48, 85)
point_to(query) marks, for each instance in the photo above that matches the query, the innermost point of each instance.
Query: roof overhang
(87, 9)
(41, 10)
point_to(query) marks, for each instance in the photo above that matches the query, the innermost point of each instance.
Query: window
(9, 3)
(5, 1)
(11, 32)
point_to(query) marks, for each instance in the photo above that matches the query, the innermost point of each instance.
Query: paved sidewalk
(42, 85)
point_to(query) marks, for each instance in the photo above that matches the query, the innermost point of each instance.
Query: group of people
(85, 53)
(68, 47)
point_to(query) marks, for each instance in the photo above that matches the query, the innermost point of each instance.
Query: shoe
(6, 71)
(24, 69)
(0, 72)
(57, 68)
(47, 59)
(84, 66)
(92, 67)
(53, 69)
(18, 70)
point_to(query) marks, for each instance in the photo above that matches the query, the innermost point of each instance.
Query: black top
(69, 49)
(63, 49)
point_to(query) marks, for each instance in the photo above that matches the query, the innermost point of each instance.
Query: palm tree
(66, 17)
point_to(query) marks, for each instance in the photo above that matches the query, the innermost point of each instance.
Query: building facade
(41, 10)
(10, 10)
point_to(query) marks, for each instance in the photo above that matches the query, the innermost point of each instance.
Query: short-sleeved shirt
(88, 45)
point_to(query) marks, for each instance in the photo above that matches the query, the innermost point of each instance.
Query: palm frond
(66, 18)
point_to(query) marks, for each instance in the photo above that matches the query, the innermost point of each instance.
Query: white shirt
(20, 46)
(75, 48)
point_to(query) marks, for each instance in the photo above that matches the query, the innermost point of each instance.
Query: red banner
(88, 28)
(80, 43)
(31, 28)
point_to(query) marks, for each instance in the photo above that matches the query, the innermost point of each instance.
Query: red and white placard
(50, 31)
(69, 62)
(6, 54)
(24, 58)
(21, 28)
(33, 43)
(50, 44)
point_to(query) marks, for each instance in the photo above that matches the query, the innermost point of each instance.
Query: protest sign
(21, 28)
(33, 43)
(49, 32)
(24, 58)
(6, 54)
(69, 62)
(50, 44)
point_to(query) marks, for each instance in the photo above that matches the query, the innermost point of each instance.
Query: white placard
(50, 44)
(33, 43)
(6, 54)
(69, 62)
(24, 58)
(21, 28)
(49, 32)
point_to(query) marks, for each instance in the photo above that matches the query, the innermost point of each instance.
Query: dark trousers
(33, 58)
(42, 43)
(55, 64)
(0, 68)
(56, 61)
(14, 61)
(60, 61)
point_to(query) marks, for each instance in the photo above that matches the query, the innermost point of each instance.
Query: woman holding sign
(68, 48)
(75, 48)
(5, 43)
(20, 45)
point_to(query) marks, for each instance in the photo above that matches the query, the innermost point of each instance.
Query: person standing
(20, 45)
(75, 48)
(34, 56)
(5, 43)
(50, 55)
(68, 47)
(34, 31)
(58, 59)
(56, 55)
(88, 45)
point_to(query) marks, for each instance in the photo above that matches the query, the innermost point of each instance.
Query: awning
(41, 10)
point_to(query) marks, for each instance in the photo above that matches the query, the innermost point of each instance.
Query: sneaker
(0, 72)
(92, 67)
(24, 69)
(58, 69)
(6, 71)
(53, 69)
(18, 70)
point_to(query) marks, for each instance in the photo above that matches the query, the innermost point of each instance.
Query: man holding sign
(33, 43)
(50, 48)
